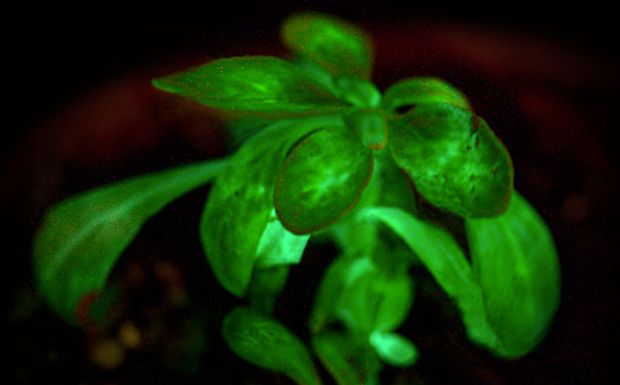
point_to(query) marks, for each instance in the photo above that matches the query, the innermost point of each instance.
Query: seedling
(324, 153)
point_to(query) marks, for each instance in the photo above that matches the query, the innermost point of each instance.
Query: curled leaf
(454, 160)
(419, 91)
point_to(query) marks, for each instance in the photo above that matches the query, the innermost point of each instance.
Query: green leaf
(420, 91)
(336, 45)
(442, 256)
(357, 292)
(321, 179)
(516, 265)
(81, 238)
(508, 300)
(454, 160)
(348, 360)
(370, 126)
(265, 342)
(237, 225)
(265, 286)
(394, 349)
(254, 84)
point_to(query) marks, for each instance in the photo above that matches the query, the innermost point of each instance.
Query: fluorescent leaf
(321, 179)
(278, 246)
(81, 238)
(442, 256)
(507, 304)
(252, 83)
(454, 160)
(265, 342)
(420, 91)
(515, 263)
(239, 209)
(365, 298)
(360, 93)
(265, 286)
(348, 360)
(370, 126)
(337, 46)
(394, 349)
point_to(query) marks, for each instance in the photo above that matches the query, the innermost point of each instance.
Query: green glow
(278, 246)
(313, 135)
(349, 360)
(509, 298)
(394, 349)
(252, 83)
(421, 91)
(370, 126)
(268, 344)
(360, 93)
(516, 265)
(82, 238)
(237, 213)
(321, 179)
(356, 292)
(337, 46)
(454, 159)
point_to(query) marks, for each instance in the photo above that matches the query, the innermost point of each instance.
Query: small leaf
(321, 179)
(370, 126)
(365, 298)
(358, 92)
(454, 160)
(394, 349)
(336, 45)
(81, 238)
(239, 208)
(265, 342)
(420, 91)
(348, 360)
(252, 83)
(516, 265)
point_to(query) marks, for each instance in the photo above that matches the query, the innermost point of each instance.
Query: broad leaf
(321, 179)
(350, 361)
(454, 160)
(337, 46)
(508, 302)
(516, 265)
(418, 91)
(81, 238)
(394, 349)
(265, 342)
(252, 83)
(237, 226)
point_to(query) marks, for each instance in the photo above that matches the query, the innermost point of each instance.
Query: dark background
(551, 96)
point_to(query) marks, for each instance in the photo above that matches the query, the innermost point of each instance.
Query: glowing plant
(328, 154)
